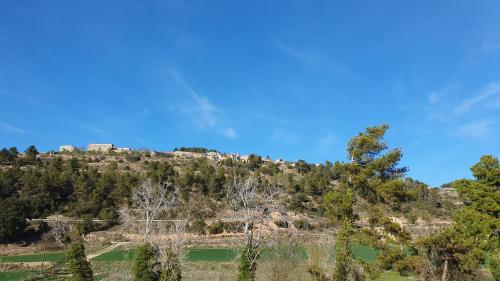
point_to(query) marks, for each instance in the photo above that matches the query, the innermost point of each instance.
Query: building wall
(100, 147)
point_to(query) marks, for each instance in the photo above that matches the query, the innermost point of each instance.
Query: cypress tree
(146, 266)
(343, 253)
(78, 264)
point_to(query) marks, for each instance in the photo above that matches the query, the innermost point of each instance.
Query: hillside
(195, 198)
(202, 178)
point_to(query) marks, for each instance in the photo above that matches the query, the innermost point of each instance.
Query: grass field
(14, 275)
(38, 257)
(207, 256)
(360, 252)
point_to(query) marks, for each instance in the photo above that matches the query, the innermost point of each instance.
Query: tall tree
(78, 264)
(460, 249)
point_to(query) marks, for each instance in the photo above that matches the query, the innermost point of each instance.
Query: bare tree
(149, 201)
(251, 204)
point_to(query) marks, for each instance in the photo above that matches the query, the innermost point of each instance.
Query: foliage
(146, 266)
(8, 156)
(193, 149)
(198, 227)
(495, 264)
(12, 218)
(78, 264)
(85, 226)
(461, 248)
(216, 228)
(339, 206)
(388, 257)
(171, 269)
(248, 263)
(254, 161)
(373, 175)
(343, 255)
(31, 153)
(411, 264)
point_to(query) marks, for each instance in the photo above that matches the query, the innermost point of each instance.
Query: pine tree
(78, 264)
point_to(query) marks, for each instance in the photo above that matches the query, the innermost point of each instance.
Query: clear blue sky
(289, 79)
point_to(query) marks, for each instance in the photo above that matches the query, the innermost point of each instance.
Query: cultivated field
(199, 264)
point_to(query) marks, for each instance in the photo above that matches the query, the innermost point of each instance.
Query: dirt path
(105, 250)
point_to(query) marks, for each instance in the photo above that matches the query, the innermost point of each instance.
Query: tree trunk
(445, 269)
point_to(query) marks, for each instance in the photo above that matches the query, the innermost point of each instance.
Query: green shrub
(412, 264)
(171, 270)
(86, 226)
(133, 158)
(495, 265)
(370, 237)
(216, 228)
(248, 264)
(198, 227)
(388, 256)
(281, 223)
(145, 265)
(77, 260)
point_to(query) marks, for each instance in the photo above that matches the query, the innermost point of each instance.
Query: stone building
(100, 147)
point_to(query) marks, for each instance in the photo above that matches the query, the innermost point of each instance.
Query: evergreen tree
(31, 152)
(374, 175)
(343, 255)
(78, 264)
(460, 249)
(171, 268)
(146, 266)
(248, 263)
(12, 218)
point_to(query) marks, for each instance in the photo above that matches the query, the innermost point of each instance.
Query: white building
(122, 149)
(67, 148)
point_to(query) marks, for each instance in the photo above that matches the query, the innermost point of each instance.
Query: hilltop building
(67, 148)
(100, 147)
(187, 154)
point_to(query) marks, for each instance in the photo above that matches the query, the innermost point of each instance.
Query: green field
(38, 257)
(207, 255)
(360, 252)
(116, 255)
(14, 275)
(364, 253)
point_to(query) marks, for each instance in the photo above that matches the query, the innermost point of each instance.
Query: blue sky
(289, 79)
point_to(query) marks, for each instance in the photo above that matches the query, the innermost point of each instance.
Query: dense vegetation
(370, 187)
